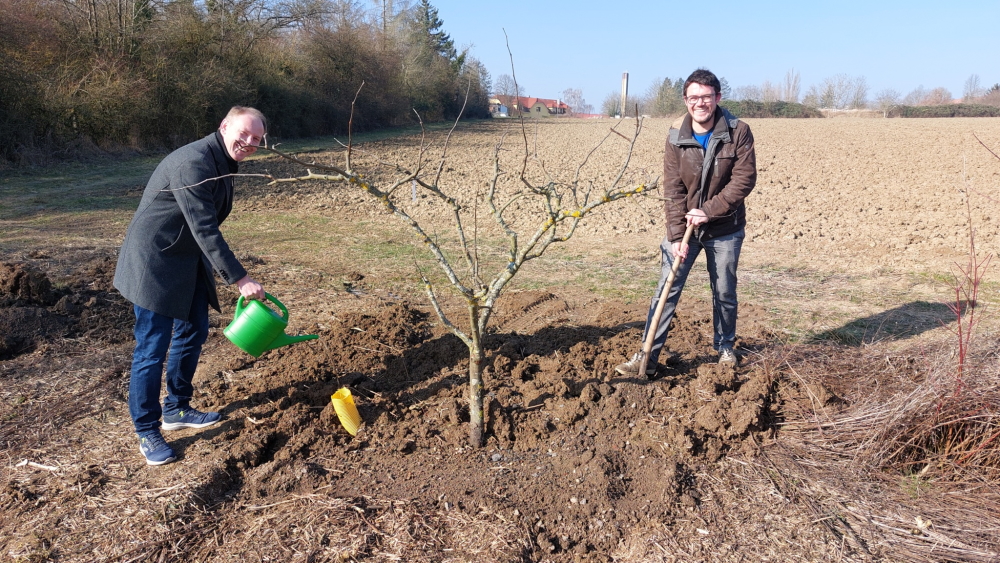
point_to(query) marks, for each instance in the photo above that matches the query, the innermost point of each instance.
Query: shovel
(647, 346)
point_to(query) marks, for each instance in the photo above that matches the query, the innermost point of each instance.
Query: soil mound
(574, 454)
(34, 311)
(20, 284)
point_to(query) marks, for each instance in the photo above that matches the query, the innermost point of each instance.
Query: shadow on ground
(904, 321)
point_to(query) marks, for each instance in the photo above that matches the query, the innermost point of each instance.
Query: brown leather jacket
(715, 181)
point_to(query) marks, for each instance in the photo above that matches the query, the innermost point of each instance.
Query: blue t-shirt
(702, 139)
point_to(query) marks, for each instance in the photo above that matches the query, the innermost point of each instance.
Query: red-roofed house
(533, 107)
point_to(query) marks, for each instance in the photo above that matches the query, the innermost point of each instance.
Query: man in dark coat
(709, 168)
(165, 268)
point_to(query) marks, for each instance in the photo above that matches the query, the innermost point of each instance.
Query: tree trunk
(476, 424)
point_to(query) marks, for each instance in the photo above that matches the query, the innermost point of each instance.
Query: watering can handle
(269, 297)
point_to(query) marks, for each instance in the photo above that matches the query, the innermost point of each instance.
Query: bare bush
(336, 58)
(920, 96)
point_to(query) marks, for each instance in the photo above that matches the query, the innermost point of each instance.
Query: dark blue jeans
(155, 334)
(723, 256)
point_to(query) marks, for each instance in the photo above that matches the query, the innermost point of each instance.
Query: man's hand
(680, 250)
(250, 289)
(696, 217)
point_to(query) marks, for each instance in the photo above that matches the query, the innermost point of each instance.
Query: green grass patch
(74, 187)
(117, 183)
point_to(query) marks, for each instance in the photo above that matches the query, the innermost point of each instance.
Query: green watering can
(256, 328)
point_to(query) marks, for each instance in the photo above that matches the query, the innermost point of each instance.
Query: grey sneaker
(155, 449)
(189, 418)
(727, 357)
(631, 367)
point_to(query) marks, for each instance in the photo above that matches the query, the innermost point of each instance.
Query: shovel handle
(647, 346)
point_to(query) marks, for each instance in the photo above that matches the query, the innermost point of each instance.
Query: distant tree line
(142, 74)
(664, 97)
(840, 92)
(844, 92)
(950, 110)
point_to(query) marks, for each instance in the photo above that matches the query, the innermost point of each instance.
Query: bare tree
(389, 16)
(937, 97)
(885, 100)
(915, 97)
(748, 94)
(838, 92)
(769, 92)
(531, 210)
(790, 89)
(857, 97)
(505, 86)
(110, 25)
(973, 89)
(573, 97)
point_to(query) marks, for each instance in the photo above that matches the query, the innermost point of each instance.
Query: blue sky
(557, 44)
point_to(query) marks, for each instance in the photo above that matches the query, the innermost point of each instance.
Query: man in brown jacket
(709, 168)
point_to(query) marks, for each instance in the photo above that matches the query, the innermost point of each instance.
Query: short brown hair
(237, 111)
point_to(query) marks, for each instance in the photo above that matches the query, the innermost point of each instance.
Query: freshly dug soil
(571, 444)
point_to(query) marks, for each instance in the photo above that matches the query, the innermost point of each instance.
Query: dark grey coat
(174, 236)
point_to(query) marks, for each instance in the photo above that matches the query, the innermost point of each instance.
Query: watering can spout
(283, 339)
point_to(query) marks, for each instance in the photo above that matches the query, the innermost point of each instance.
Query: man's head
(702, 92)
(242, 131)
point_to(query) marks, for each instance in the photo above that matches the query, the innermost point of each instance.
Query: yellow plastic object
(343, 403)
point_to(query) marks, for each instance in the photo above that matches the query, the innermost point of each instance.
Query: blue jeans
(155, 334)
(723, 256)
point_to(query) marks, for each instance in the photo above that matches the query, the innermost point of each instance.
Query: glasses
(694, 100)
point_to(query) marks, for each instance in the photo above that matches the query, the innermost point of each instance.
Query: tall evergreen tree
(428, 27)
